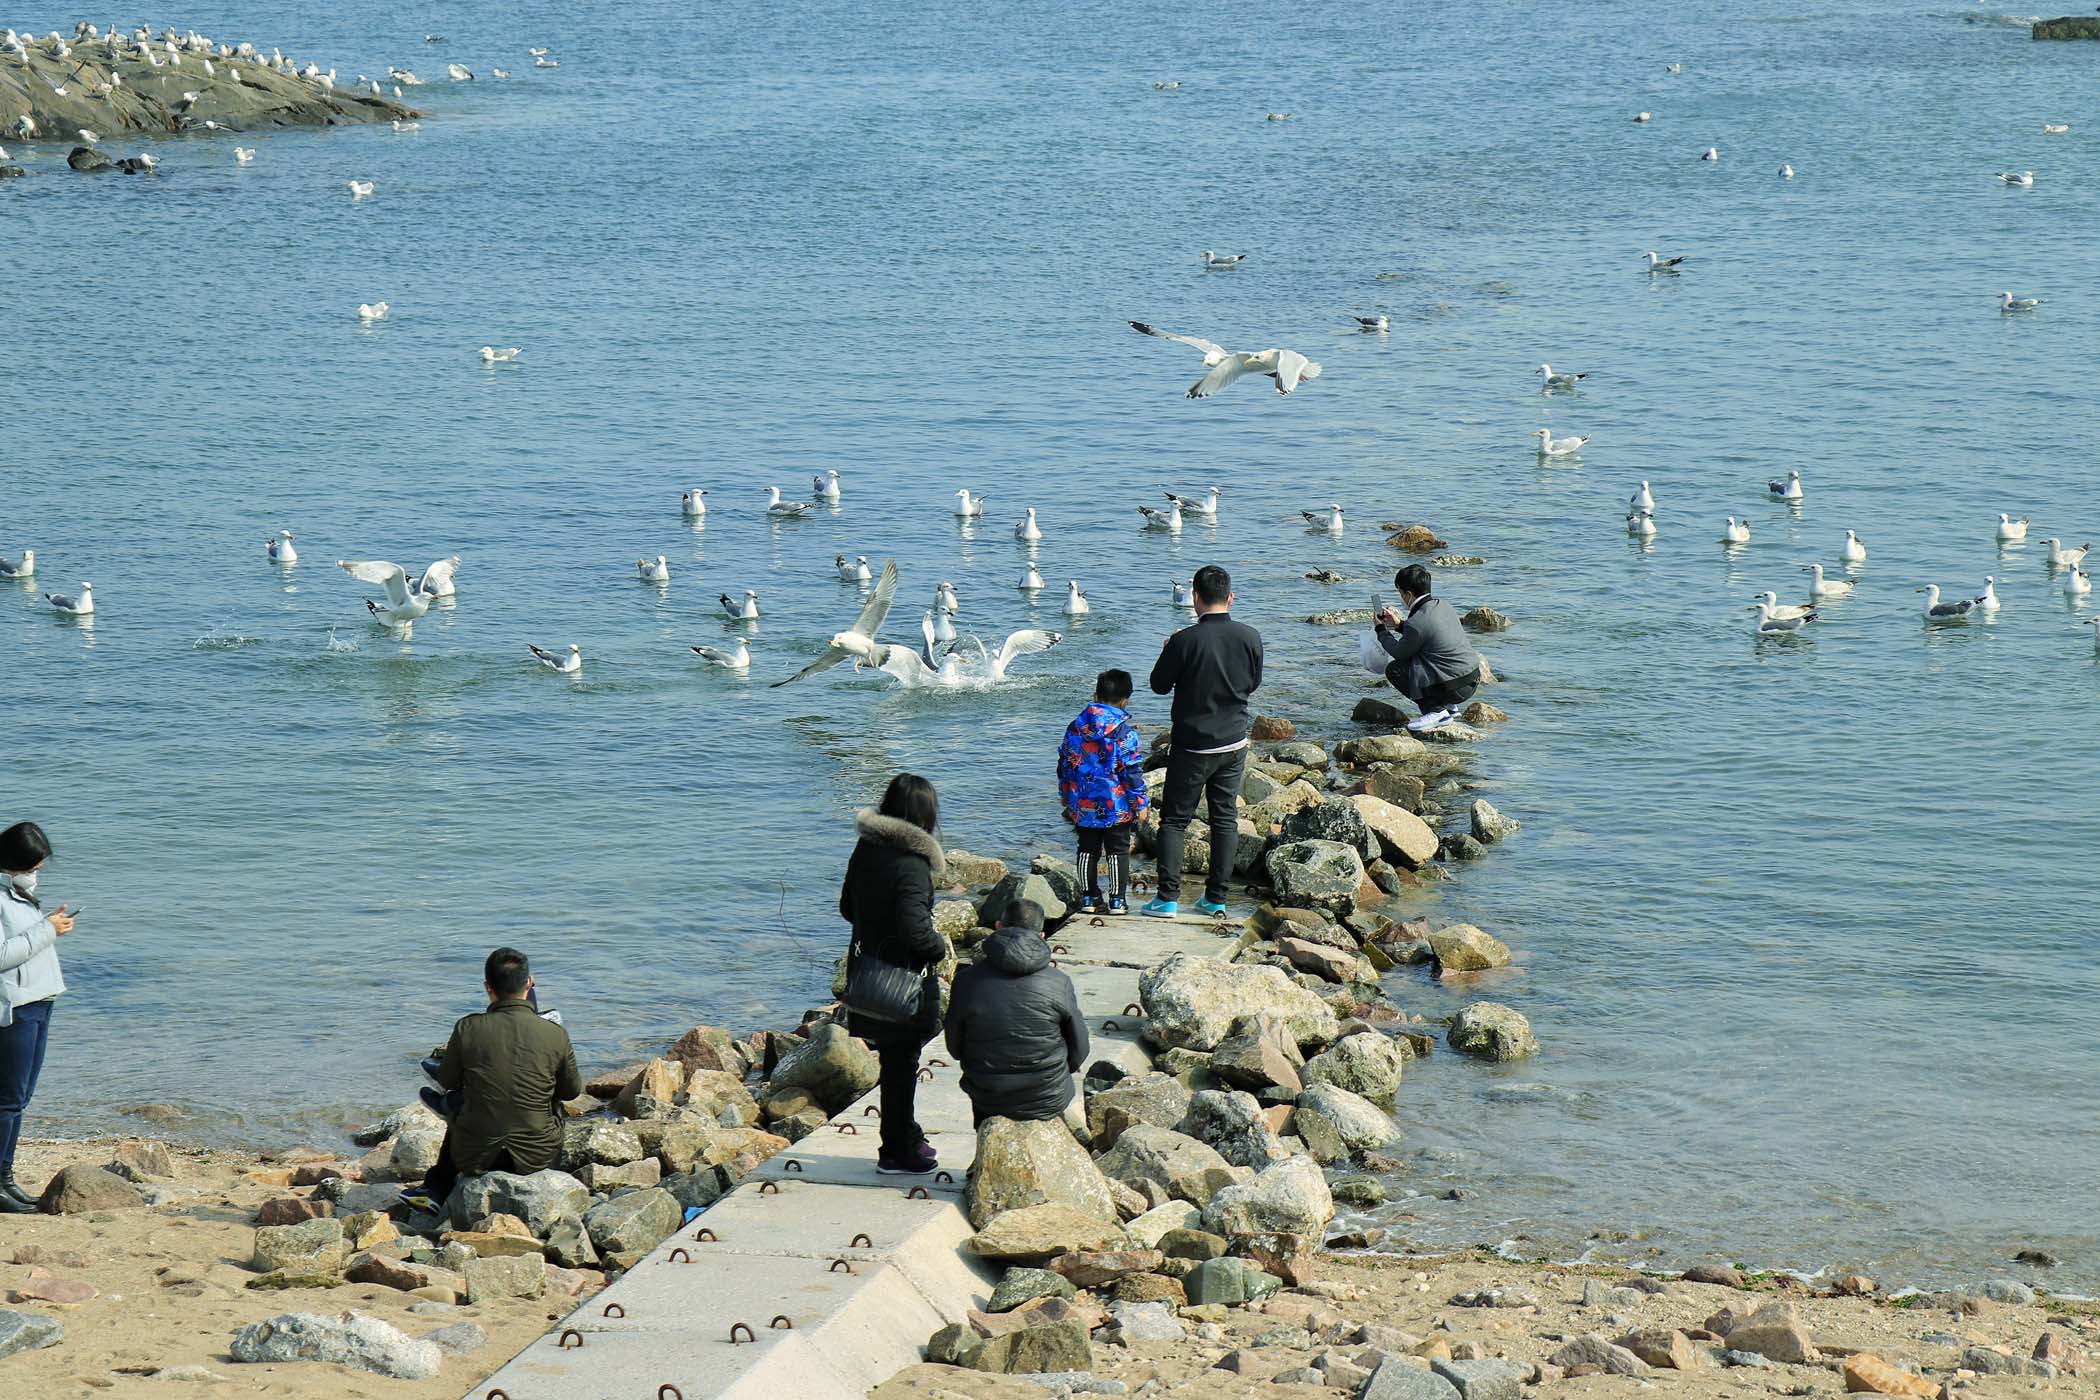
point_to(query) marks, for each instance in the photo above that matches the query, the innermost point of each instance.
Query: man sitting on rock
(515, 1069)
(1014, 1024)
(1432, 662)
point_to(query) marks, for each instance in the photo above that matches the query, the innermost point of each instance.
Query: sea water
(1804, 927)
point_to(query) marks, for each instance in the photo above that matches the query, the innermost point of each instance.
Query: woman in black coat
(888, 898)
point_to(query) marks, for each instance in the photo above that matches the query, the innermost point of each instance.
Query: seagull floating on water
(279, 548)
(1987, 601)
(2061, 558)
(784, 510)
(1278, 116)
(944, 598)
(2011, 530)
(693, 504)
(657, 570)
(826, 486)
(372, 310)
(1674, 68)
(1031, 582)
(81, 606)
(1735, 531)
(25, 569)
(2008, 302)
(567, 665)
(1372, 325)
(1168, 519)
(2077, 583)
(1787, 490)
(1184, 596)
(1076, 604)
(736, 658)
(1211, 259)
(1936, 611)
(1640, 523)
(1710, 153)
(1549, 381)
(1207, 507)
(359, 189)
(1771, 624)
(852, 571)
(1820, 587)
(1783, 612)
(490, 355)
(403, 604)
(401, 127)
(2055, 128)
(1644, 499)
(243, 154)
(1853, 550)
(1328, 520)
(746, 611)
(967, 506)
(1642, 117)
(1656, 264)
(1786, 172)
(1551, 446)
(1027, 530)
(857, 641)
(1166, 87)
(2024, 180)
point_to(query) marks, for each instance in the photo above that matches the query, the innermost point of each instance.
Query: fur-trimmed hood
(893, 831)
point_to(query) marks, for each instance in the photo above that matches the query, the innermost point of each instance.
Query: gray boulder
(87, 158)
(28, 1332)
(1175, 1164)
(1027, 1164)
(1013, 887)
(1192, 1002)
(540, 1200)
(626, 1228)
(1488, 1378)
(1332, 819)
(1147, 1322)
(1259, 1052)
(1336, 1124)
(1230, 1280)
(1493, 1032)
(832, 1065)
(77, 1189)
(354, 1340)
(1231, 1122)
(1158, 1099)
(1289, 1197)
(1489, 825)
(1593, 1350)
(1367, 1063)
(1022, 1284)
(600, 1141)
(309, 1247)
(1396, 1380)
(459, 1339)
(1316, 874)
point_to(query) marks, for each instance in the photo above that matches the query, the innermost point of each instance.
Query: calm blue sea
(1806, 928)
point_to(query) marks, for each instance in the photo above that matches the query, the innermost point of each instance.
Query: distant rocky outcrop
(54, 88)
(2069, 27)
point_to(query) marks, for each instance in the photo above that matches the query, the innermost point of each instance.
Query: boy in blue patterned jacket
(1101, 781)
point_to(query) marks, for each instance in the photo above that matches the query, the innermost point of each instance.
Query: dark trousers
(896, 1045)
(1437, 695)
(440, 1179)
(1109, 843)
(1215, 776)
(21, 1061)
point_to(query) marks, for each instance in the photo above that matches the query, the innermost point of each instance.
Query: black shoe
(11, 1204)
(10, 1187)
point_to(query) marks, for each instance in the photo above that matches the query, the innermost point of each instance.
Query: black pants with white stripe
(1109, 843)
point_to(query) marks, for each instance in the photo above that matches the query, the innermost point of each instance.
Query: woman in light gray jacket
(30, 983)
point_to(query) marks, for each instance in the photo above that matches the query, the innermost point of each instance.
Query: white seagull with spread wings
(858, 641)
(403, 605)
(1287, 367)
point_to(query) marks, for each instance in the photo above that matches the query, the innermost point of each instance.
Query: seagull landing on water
(1656, 264)
(784, 510)
(1853, 550)
(2061, 558)
(403, 604)
(657, 570)
(570, 664)
(508, 355)
(746, 611)
(736, 658)
(858, 641)
(1551, 446)
(279, 548)
(1328, 521)
(372, 310)
(1936, 611)
(1787, 490)
(1372, 325)
(1549, 382)
(1168, 519)
(80, 606)
(1211, 259)
(1076, 604)
(360, 189)
(1028, 532)
(1771, 624)
(1820, 587)
(693, 504)
(2011, 530)
(436, 581)
(2024, 180)
(826, 486)
(2008, 302)
(1206, 507)
(25, 569)
(967, 506)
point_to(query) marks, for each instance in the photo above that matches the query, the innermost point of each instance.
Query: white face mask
(26, 883)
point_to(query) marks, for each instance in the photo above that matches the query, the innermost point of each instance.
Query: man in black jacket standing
(1014, 1024)
(1211, 668)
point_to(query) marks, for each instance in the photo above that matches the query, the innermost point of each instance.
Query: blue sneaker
(1210, 908)
(1161, 909)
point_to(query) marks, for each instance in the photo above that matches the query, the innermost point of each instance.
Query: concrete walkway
(817, 1278)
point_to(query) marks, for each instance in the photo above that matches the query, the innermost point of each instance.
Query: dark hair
(1213, 585)
(1024, 914)
(911, 798)
(1412, 579)
(507, 972)
(1113, 686)
(23, 847)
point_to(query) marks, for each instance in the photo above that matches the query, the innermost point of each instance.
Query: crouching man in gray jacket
(1014, 1024)
(1432, 662)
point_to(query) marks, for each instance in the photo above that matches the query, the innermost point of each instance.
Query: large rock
(1174, 1164)
(1232, 1122)
(709, 1048)
(1192, 1002)
(1367, 1063)
(1259, 1052)
(1493, 1032)
(1326, 962)
(1336, 1124)
(28, 1332)
(1464, 948)
(832, 1065)
(76, 1190)
(1317, 874)
(540, 1200)
(509, 1276)
(627, 1227)
(309, 1247)
(353, 1340)
(1775, 1330)
(1866, 1373)
(1380, 748)
(1398, 1379)
(142, 1159)
(1230, 1281)
(969, 872)
(87, 158)
(1331, 819)
(1289, 1197)
(1027, 1164)
(2066, 27)
(1593, 1350)
(1059, 1346)
(1033, 1234)
(1664, 1347)
(1158, 1099)
(600, 1140)
(1402, 837)
(1015, 887)
(1489, 825)
(1147, 1230)
(657, 1085)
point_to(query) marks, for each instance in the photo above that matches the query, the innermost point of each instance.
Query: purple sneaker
(917, 1162)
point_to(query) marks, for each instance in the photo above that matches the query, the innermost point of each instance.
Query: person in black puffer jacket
(888, 898)
(1014, 1024)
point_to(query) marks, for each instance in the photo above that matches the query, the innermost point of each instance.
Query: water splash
(338, 648)
(222, 639)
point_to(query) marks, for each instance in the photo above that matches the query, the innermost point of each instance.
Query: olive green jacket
(516, 1069)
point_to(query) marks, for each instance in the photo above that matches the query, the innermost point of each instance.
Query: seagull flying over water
(1551, 446)
(1549, 381)
(1286, 367)
(570, 664)
(403, 604)
(279, 548)
(858, 641)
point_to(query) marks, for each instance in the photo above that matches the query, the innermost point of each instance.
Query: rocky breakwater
(2068, 27)
(92, 87)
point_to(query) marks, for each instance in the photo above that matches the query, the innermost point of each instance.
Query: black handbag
(880, 989)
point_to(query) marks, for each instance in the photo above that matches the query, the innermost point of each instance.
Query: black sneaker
(1090, 904)
(917, 1162)
(1117, 906)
